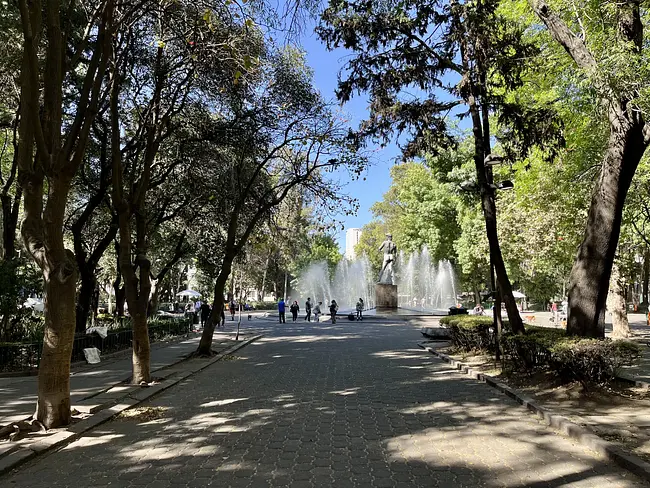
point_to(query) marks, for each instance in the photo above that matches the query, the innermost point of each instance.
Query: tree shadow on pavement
(313, 409)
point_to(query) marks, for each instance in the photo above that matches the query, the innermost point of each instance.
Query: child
(317, 312)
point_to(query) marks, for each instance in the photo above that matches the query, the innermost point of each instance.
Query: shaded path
(18, 394)
(345, 405)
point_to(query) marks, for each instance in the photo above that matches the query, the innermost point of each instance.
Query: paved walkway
(321, 405)
(18, 394)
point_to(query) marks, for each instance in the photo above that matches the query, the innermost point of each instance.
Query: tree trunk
(617, 306)
(53, 405)
(120, 300)
(477, 295)
(141, 350)
(84, 300)
(476, 75)
(10, 209)
(154, 301)
(205, 346)
(266, 269)
(590, 276)
(646, 276)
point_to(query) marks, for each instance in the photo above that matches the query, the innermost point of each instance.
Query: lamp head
(469, 185)
(506, 185)
(493, 159)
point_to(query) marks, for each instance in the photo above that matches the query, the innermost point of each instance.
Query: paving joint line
(583, 435)
(13, 458)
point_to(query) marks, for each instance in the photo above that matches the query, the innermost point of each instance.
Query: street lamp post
(490, 161)
(471, 186)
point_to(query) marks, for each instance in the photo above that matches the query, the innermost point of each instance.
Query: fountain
(423, 285)
(350, 281)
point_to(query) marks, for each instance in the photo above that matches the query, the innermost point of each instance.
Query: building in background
(352, 238)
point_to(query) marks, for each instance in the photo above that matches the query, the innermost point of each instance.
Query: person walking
(295, 308)
(231, 307)
(317, 312)
(308, 310)
(205, 313)
(554, 311)
(281, 307)
(333, 309)
(360, 309)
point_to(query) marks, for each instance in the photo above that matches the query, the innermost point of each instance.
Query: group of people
(202, 310)
(310, 309)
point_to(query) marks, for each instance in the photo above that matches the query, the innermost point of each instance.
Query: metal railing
(27, 356)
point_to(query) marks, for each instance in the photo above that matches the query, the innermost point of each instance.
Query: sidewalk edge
(576, 432)
(14, 458)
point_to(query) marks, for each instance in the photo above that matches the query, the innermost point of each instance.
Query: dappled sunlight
(398, 355)
(217, 403)
(347, 391)
(100, 439)
(232, 466)
(257, 411)
(320, 407)
(283, 398)
(302, 339)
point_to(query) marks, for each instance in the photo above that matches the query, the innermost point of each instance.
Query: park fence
(27, 356)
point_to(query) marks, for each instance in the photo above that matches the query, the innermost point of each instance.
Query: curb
(633, 381)
(572, 430)
(15, 457)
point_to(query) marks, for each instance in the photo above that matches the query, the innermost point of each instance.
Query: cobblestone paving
(319, 406)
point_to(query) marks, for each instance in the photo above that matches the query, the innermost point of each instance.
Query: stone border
(12, 458)
(576, 432)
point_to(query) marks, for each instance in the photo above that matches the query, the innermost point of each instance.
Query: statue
(390, 253)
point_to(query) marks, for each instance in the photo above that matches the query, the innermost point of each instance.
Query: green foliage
(420, 210)
(571, 358)
(372, 235)
(319, 247)
(18, 280)
(470, 333)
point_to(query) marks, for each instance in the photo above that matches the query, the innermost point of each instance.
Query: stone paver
(18, 394)
(311, 406)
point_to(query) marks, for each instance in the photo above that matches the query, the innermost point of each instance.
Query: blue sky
(326, 66)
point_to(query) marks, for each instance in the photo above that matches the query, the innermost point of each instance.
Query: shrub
(592, 360)
(571, 358)
(530, 350)
(470, 332)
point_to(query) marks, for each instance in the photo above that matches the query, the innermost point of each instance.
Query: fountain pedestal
(385, 297)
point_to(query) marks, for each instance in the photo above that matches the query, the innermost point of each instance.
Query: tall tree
(49, 154)
(405, 54)
(585, 32)
(175, 56)
(284, 139)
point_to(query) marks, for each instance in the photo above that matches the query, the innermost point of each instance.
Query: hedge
(544, 348)
(571, 358)
(471, 332)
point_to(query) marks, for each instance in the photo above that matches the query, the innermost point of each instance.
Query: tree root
(196, 354)
(19, 430)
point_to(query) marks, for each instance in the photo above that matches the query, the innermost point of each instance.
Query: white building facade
(352, 238)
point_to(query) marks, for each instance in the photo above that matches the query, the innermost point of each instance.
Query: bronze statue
(386, 274)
